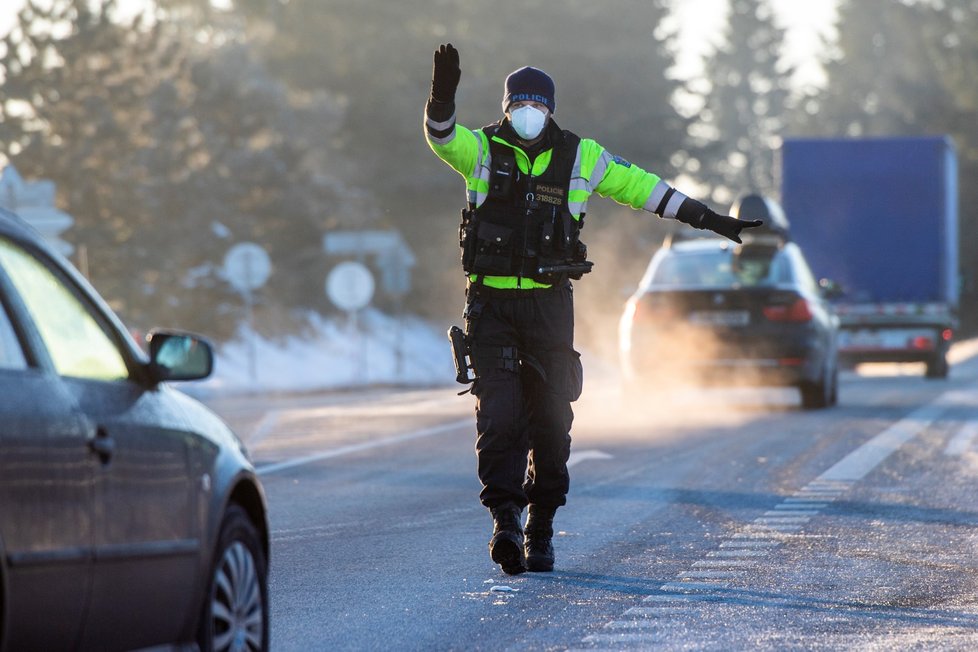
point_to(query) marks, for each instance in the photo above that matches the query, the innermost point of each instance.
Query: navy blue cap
(529, 85)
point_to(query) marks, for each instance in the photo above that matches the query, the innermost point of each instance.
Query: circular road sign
(247, 266)
(350, 286)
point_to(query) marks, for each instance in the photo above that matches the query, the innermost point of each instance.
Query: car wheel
(816, 395)
(834, 391)
(234, 616)
(937, 366)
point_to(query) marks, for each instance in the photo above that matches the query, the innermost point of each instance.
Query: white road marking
(722, 563)
(358, 448)
(630, 624)
(803, 502)
(654, 612)
(710, 574)
(961, 441)
(767, 532)
(577, 457)
(691, 586)
(749, 543)
(737, 552)
(623, 638)
(264, 427)
(808, 495)
(762, 529)
(857, 464)
(767, 520)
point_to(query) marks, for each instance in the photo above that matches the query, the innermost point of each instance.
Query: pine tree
(744, 111)
(907, 69)
(167, 152)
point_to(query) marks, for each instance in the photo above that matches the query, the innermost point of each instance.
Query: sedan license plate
(720, 317)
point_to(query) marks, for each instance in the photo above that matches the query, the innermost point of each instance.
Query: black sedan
(130, 515)
(710, 311)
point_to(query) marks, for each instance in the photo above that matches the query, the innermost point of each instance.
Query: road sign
(247, 266)
(34, 201)
(350, 286)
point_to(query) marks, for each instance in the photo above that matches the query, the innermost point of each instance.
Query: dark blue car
(710, 311)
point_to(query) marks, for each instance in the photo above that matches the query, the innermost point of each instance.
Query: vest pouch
(501, 176)
(493, 255)
(546, 238)
(569, 232)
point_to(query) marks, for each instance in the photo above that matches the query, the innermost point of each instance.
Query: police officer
(528, 183)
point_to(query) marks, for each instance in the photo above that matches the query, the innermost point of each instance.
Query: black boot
(506, 545)
(539, 539)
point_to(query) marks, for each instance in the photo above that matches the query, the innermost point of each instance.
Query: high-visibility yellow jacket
(595, 170)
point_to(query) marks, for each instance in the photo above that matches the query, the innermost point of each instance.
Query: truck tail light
(798, 311)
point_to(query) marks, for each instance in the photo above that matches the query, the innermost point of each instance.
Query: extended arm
(629, 184)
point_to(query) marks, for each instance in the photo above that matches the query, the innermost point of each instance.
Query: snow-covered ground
(375, 349)
(378, 349)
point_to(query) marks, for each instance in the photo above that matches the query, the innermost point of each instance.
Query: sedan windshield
(724, 269)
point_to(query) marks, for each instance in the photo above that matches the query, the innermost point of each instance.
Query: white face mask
(528, 122)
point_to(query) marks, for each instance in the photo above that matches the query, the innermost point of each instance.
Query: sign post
(350, 286)
(247, 268)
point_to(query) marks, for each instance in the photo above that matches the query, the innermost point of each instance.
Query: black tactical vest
(525, 227)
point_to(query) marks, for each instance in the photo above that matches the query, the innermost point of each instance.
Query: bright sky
(702, 20)
(806, 24)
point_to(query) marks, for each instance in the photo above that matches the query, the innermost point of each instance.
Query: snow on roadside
(376, 349)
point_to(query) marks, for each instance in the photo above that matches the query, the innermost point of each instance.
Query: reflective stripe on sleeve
(580, 188)
(672, 208)
(658, 192)
(600, 167)
(578, 192)
(439, 132)
(477, 185)
(440, 126)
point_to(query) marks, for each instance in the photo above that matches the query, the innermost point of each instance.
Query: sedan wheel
(235, 611)
(816, 395)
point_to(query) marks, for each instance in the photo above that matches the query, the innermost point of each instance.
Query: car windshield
(721, 268)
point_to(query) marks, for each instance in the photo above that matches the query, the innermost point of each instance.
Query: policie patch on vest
(620, 161)
(548, 194)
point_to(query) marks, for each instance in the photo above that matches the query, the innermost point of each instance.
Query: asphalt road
(711, 520)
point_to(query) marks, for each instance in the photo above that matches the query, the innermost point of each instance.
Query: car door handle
(102, 445)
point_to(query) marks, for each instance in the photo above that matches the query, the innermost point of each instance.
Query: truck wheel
(234, 615)
(937, 366)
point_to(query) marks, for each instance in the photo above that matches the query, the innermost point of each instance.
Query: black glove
(728, 227)
(698, 216)
(445, 74)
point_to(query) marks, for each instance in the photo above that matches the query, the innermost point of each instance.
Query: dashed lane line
(750, 546)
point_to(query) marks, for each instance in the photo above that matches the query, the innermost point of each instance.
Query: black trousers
(527, 376)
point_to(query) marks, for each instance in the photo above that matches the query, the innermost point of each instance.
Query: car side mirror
(179, 356)
(830, 289)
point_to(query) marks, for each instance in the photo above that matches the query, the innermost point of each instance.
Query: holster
(460, 352)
